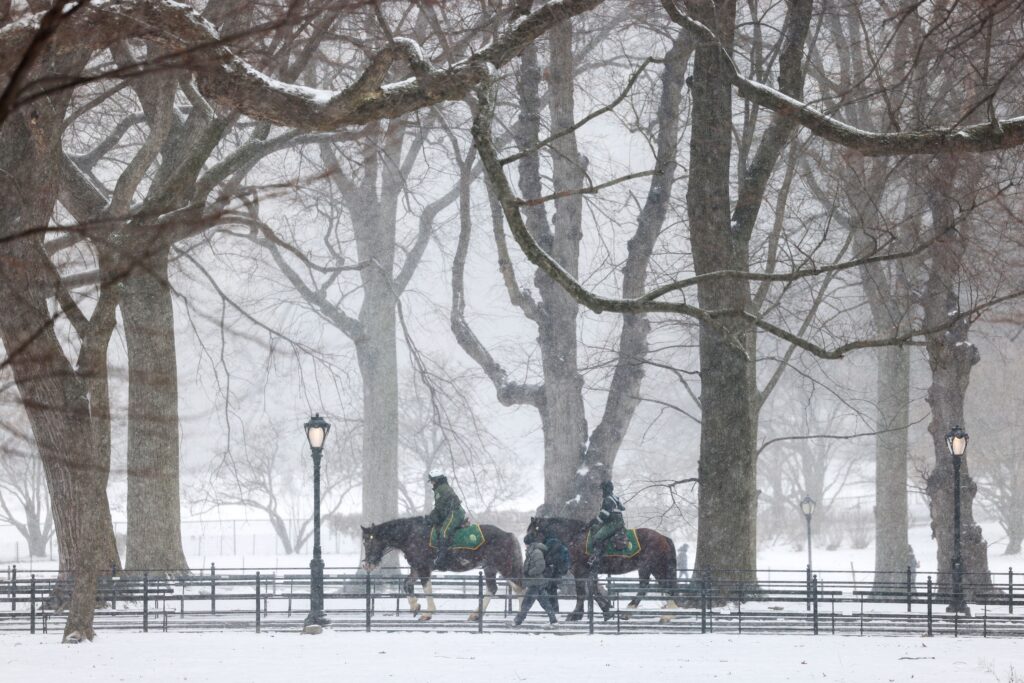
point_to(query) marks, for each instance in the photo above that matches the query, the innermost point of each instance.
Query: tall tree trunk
(727, 505)
(564, 419)
(891, 445)
(374, 213)
(154, 499)
(55, 397)
(377, 356)
(950, 357)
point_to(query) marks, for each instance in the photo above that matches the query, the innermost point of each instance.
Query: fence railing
(721, 601)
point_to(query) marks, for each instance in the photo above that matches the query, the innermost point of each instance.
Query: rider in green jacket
(609, 521)
(447, 515)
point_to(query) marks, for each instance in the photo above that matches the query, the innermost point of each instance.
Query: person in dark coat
(535, 568)
(447, 515)
(913, 563)
(557, 559)
(683, 561)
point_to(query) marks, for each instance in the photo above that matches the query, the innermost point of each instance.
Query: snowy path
(425, 658)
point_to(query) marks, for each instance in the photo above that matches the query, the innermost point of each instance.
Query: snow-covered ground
(494, 658)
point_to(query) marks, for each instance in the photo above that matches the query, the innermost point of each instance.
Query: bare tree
(263, 474)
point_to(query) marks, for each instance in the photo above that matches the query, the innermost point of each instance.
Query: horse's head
(535, 532)
(374, 547)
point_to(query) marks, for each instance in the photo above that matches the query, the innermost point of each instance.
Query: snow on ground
(495, 658)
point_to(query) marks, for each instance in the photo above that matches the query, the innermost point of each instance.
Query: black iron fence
(722, 602)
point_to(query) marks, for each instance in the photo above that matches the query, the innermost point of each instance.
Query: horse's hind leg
(581, 592)
(645, 580)
(668, 584)
(492, 589)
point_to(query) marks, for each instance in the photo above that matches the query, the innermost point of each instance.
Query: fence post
(480, 602)
(258, 606)
(291, 589)
(1011, 589)
(929, 605)
(213, 588)
(145, 602)
(814, 597)
(807, 589)
(590, 604)
(703, 605)
(14, 588)
(113, 587)
(909, 588)
(369, 610)
(32, 607)
(181, 614)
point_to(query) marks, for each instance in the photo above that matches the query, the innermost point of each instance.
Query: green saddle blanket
(468, 537)
(611, 549)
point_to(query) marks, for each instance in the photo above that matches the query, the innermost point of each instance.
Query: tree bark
(374, 214)
(891, 445)
(727, 505)
(154, 499)
(377, 356)
(564, 418)
(55, 396)
(950, 357)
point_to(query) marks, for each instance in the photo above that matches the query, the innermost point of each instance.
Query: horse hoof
(474, 617)
(574, 617)
(424, 617)
(665, 619)
(415, 610)
(624, 617)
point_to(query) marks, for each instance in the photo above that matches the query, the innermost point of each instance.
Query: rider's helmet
(607, 487)
(436, 477)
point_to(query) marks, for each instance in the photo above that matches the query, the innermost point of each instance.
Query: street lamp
(956, 443)
(316, 432)
(807, 507)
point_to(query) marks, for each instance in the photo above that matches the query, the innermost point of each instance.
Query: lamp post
(316, 432)
(807, 507)
(956, 443)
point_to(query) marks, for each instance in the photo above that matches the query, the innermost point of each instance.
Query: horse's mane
(400, 523)
(574, 524)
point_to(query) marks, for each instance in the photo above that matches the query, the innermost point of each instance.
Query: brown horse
(499, 554)
(657, 557)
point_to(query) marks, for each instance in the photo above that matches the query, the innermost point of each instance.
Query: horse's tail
(670, 584)
(517, 561)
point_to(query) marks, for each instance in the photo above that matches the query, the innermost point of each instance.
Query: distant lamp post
(956, 442)
(807, 507)
(316, 433)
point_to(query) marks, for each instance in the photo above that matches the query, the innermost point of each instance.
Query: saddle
(624, 543)
(620, 541)
(466, 537)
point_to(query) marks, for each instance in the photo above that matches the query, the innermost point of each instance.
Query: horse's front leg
(581, 592)
(410, 592)
(428, 591)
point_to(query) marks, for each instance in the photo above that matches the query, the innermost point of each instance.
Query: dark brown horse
(499, 554)
(657, 557)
